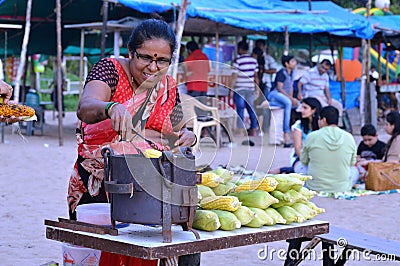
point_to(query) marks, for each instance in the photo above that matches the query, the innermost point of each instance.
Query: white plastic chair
(198, 123)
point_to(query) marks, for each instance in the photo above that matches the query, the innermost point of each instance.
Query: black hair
(151, 29)
(331, 114)
(368, 130)
(305, 122)
(260, 41)
(285, 59)
(192, 45)
(392, 118)
(259, 53)
(326, 62)
(243, 45)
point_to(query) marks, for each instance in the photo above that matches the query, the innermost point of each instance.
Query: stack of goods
(265, 200)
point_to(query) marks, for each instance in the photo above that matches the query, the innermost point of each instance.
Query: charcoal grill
(154, 191)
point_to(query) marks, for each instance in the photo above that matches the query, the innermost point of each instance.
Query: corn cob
(267, 184)
(205, 191)
(17, 110)
(227, 220)
(211, 179)
(206, 220)
(244, 214)
(255, 198)
(224, 203)
(152, 153)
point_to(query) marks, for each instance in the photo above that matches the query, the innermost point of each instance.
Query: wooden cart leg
(328, 254)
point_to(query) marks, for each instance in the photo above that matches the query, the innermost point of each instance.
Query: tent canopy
(270, 16)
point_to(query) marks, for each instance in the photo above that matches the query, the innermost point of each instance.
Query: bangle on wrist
(108, 108)
(195, 141)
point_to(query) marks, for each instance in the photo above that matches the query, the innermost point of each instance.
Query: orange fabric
(352, 69)
(112, 259)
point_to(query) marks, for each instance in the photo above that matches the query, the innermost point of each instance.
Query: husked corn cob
(17, 110)
(211, 179)
(152, 153)
(267, 184)
(224, 203)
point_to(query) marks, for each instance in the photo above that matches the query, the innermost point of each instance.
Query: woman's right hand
(121, 121)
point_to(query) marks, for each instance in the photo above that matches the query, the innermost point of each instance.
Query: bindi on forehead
(155, 55)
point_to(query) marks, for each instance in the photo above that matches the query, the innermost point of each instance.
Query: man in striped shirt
(244, 80)
(315, 83)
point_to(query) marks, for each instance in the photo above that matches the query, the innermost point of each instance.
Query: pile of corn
(265, 200)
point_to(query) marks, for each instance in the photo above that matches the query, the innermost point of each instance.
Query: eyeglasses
(147, 60)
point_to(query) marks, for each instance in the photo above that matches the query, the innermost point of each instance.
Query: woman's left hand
(186, 138)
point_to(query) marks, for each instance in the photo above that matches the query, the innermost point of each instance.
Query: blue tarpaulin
(268, 16)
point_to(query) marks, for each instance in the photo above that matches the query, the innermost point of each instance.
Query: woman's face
(150, 62)
(306, 111)
(388, 128)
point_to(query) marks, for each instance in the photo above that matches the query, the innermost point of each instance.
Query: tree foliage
(353, 4)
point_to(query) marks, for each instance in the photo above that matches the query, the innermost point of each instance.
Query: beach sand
(34, 180)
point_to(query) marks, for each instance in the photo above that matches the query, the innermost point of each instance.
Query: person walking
(243, 83)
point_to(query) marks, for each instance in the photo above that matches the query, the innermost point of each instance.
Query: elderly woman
(128, 105)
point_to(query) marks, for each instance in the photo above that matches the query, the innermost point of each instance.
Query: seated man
(330, 154)
(315, 83)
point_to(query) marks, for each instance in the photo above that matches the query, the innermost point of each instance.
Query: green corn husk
(227, 220)
(314, 207)
(223, 189)
(225, 174)
(264, 216)
(275, 215)
(295, 196)
(255, 198)
(286, 182)
(206, 220)
(205, 191)
(244, 214)
(300, 177)
(304, 210)
(290, 215)
(309, 194)
(283, 198)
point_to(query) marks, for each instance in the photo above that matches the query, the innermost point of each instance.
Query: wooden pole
(23, 51)
(81, 62)
(59, 75)
(379, 64)
(178, 33)
(367, 65)
(104, 28)
(286, 52)
(217, 64)
(342, 81)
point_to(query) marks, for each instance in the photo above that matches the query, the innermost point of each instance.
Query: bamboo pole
(367, 65)
(342, 81)
(81, 62)
(286, 52)
(23, 51)
(104, 28)
(379, 64)
(59, 75)
(217, 64)
(178, 33)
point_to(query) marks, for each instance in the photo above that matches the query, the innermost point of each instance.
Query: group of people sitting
(329, 154)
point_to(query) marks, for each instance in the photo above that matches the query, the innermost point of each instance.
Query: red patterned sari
(93, 137)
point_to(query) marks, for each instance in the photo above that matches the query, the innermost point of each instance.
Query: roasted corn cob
(152, 153)
(267, 184)
(17, 110)
(224, 203)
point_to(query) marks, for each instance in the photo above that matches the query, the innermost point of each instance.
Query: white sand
(34, 179)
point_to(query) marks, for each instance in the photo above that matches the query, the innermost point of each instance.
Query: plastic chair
(32, 99)
(197, 123)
